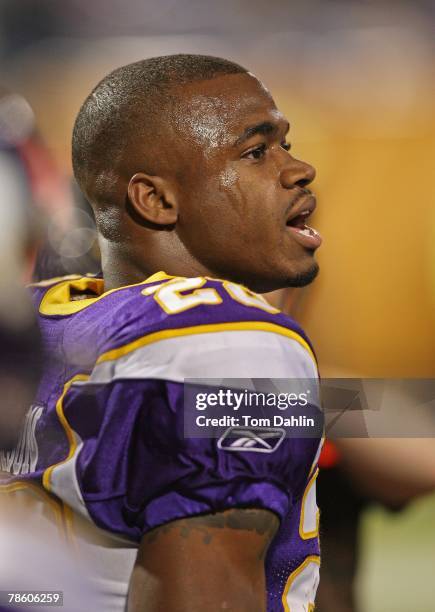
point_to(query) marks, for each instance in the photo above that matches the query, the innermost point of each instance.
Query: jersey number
(180, 294)
(301, 586)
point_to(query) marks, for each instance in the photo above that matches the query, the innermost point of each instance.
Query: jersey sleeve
(140, 472)
(131, 468)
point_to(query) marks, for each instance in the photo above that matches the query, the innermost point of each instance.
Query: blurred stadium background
(356, 80)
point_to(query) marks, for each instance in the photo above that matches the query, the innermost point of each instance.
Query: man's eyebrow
(265, 128)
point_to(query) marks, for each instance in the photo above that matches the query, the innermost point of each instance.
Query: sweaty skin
(219, 196)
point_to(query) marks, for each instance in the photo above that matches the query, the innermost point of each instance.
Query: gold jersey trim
(57, 300)
(204, 329)
(72, 441)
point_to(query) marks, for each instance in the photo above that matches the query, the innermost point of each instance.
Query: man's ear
(153, 199)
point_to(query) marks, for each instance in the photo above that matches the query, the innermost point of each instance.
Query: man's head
(185, 161)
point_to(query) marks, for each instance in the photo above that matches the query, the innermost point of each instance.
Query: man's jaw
(304, 278)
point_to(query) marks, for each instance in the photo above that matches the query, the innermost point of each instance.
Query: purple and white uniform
(105, 439)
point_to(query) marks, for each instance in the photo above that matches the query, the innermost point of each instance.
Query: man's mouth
(300, 211)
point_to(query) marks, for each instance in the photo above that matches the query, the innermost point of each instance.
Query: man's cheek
(228, 179)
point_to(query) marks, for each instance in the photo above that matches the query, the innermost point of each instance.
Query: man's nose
(296, 173)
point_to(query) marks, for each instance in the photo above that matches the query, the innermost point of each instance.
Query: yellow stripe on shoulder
(205, 329)
(58, 299)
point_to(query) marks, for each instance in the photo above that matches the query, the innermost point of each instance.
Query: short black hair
(127, 103)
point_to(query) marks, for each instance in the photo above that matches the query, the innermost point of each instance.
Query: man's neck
(119, 273)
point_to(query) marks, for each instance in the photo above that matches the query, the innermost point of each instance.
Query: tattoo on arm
(261, 522)
(205, 562)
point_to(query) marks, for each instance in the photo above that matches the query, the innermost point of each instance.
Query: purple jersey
(104, 439)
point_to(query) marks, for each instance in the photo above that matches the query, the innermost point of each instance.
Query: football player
(199, 205)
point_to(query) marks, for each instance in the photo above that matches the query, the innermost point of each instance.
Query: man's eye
(286, 146)
(256, 153)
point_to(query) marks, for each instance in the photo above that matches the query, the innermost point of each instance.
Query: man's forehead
(218, 111)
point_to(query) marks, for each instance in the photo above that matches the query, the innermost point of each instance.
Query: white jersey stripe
(229, 354)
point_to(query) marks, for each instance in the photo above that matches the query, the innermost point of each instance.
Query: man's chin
(266, 283)
(305, 277)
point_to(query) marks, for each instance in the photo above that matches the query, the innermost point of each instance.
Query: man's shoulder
(202, 326)
(197, 305)
(165, 311)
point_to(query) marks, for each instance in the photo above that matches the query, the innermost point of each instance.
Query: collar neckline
(58, 301)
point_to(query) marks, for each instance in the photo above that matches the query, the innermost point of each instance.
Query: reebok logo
(254, 440)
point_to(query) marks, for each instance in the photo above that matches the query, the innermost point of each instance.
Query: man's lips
(302, 207)
(303, 204)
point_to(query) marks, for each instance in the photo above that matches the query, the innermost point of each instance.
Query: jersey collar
(58, 301)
